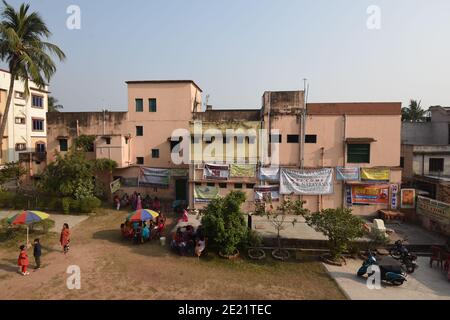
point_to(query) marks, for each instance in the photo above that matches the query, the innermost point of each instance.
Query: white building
(25, 135)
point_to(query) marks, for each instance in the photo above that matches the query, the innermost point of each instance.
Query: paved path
(424, 284)
(59, 219)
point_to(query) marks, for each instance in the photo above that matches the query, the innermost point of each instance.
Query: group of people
(189, 240)
(143, 231)
(23, 261)
(137, 202)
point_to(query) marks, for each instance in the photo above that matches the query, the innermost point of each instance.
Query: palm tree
(53, 105)
(24, 49)
(414, 112)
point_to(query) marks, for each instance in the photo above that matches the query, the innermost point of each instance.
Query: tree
(277, 217)
(223, 222)
(53, 105)
(414, 112)
(11, 171)
(340, 226)
(24, 48)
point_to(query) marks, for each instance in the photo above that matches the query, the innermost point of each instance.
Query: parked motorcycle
(401, 253)
(391, 270)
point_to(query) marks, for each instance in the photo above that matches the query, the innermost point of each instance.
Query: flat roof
(163, 81)
(355, 108)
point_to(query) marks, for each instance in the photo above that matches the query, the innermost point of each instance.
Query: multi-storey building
(25, 137)
(232, 149)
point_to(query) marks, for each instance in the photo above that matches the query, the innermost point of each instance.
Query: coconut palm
(53, 105)
(414, 112)
(24, 48)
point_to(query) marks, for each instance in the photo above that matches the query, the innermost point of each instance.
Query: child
(65, 238)
(23, 261)
(37, 252)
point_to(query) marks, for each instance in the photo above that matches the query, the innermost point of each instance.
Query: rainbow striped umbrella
(27, 217)
(142, 215)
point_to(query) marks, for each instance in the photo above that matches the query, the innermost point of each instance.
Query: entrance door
(181, 189)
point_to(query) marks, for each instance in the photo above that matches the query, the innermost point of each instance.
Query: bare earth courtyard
(116, 269)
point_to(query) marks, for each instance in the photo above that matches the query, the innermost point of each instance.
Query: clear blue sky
(235, 50)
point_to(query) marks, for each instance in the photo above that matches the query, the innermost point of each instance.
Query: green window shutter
(152, 105)
(358, 153)
(139, 105)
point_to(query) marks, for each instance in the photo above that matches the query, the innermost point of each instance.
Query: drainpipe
(343, 196)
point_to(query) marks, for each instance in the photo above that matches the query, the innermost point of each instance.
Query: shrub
(223, 222)
(87, 205)
(66, 202)
(339, 225)
(254, 239)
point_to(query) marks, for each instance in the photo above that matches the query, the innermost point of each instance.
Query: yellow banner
(375, 174)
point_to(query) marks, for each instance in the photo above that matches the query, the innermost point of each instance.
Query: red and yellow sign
(370, 194)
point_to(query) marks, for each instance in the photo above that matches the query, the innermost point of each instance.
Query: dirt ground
(112, 268)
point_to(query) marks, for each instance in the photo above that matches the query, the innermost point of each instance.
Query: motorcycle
(390, 269)
(401, 253)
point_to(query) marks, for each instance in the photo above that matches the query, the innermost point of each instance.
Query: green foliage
(414, 112)
(85, 143)
(87, 205)
(339, 225)
(53, 105)
(104, 164)
(223, 222)
(11, 171)
(254, 239)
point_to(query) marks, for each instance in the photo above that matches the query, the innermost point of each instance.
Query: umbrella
(142, 215)
(27, 217)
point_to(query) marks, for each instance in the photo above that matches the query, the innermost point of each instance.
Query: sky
(237, 49)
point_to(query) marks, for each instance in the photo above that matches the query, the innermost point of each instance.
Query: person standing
(37, 252)
(23, 261)
(139, 202)
(65, 238)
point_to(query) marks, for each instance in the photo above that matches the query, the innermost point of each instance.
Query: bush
(87, 205)
(66, 202)
(224, 224)
(254, 239)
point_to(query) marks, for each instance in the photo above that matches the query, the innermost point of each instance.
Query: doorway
(181, 189)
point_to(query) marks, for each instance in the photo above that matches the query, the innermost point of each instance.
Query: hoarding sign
(204, 194)
(216, 172)
(408, 198)
(370, 194)
(375, 174)
(306, 182)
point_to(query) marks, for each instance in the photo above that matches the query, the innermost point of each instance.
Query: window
(240, 139)
(19, 95)
(275, 138)
(38, 124)
(250, 185)
(139, 131)
(108, 140)
(140, 160)
(311, 138)
(139, 105)
(198, 184)
(152, 105)
(402, 162)
(358, 153)
(436, 165)
(211, 184)
(40, 147)
(37, 101)
(20, 120)
(292, 138)
(251, 140)
(238, 185)
(63, 145)
(155, 153)
(21, 146)
(222, 185)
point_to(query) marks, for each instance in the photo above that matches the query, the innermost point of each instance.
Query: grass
(13, 238)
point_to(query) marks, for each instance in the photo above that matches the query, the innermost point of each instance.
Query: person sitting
(145, 233)
(200, 246)
(178, 242)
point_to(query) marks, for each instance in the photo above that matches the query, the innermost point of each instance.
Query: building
(25, 137)
(167, 146)
(425, 154)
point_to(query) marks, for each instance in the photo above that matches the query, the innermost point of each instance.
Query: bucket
(163, 241)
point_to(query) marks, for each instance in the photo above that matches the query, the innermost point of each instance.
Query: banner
(433, 209)
(370, 194)
(129, 182)
(153, 177)
(179, 172)
(115, 186)
(347, 173)
(394, 196)
(204, 194)
(269, 174)
(263, 193)
(408, 198)
(375, 174)
(306, 182)
(242, 170)
(216, 172)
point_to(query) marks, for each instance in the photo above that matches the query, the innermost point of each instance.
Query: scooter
(408, 259)
(390, 269)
